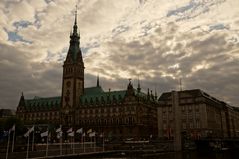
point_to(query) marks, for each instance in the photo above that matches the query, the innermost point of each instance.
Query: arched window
(126, 120)
(112, 122)
(117, 121)
(102, 99)
(130, 120)
(86, 102)
(97, 100)
(91, 101)
(99, 121)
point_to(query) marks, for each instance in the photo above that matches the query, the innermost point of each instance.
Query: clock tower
(73, 79)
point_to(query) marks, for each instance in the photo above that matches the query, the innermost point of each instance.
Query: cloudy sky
(159, 41)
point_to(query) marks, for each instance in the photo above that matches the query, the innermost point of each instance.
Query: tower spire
(74, 53)
(155, 94)
(98, 81)
(76, 16)
(138, 89)
(75, 24)
(22, 101)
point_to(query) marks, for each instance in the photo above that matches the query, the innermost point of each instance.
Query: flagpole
(103, 143)
(81, 142)
(61, 133)
(47, 143)
(61, 144)
(9, 133)
(28, 145)
(84, 143)
(71, 143)
(13, 139)
(94, 143)
(74, 144)
(90, 143)
(33, 136)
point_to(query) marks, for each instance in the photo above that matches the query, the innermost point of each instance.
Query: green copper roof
(43, 104)
(92, 96)
(93, 90)
(95, 95)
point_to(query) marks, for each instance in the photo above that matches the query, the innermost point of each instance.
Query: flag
(29, 131)
(69, 130)
(89, 131)
(13, 128)
(58, 130)
(59, 135)
(92, 134)
(71, 133)
(5, 133)
(80, 131)
(44, 134)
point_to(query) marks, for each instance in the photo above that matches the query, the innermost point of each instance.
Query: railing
(56, 149)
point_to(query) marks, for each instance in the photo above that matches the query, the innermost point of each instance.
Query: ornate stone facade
(128, 113)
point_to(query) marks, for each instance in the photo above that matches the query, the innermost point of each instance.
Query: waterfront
(179, 155)
(229, 154)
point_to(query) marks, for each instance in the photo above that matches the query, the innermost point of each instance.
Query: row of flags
(59, 132)
(78, 131)
(70, 132)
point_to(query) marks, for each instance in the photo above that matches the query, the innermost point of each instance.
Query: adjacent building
(196, 114)
(5, 113)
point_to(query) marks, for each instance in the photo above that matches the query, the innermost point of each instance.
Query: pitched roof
(43, 104)
(93, 90)
(96, 95)
(92, 96)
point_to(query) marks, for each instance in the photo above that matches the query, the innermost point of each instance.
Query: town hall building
(122, 114)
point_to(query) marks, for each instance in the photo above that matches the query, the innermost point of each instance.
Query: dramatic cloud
(157, 41)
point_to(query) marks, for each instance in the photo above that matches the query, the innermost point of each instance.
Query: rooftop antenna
(180, 84)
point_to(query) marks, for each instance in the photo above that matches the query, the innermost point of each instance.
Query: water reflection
(184, 155)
